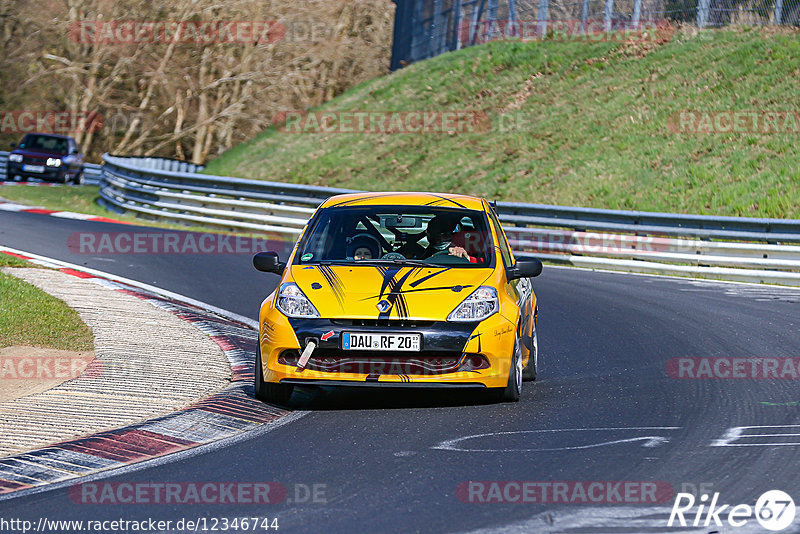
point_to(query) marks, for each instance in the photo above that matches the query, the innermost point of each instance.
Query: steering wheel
(451, 258)
(393, 256)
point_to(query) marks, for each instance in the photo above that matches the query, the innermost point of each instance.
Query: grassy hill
(595, 131)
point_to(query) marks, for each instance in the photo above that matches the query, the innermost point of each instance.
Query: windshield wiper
(415, 263)
(376, 261)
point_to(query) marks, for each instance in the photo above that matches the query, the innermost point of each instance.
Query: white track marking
(736, 433)
(147, 287)
(649, 441)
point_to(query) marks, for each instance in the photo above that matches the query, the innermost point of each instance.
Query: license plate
(376, 341)
(33, 168)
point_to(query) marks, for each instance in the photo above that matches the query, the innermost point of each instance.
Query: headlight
(54, 162)
(481, 304)
(293, 303)
(16, 158)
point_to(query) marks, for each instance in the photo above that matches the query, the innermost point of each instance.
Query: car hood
(354, 292)
(38, 153)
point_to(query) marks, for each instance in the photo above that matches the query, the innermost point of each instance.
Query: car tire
(78, 180)
(530, 370)
(513, 389)
(269, 391)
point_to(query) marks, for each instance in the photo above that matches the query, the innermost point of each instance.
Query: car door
(521, 289)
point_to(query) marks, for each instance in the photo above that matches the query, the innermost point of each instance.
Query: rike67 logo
(774, 510)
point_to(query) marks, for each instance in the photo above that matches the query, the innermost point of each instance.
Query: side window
(501, 241)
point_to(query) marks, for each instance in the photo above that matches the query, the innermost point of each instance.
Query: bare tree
(177, 97)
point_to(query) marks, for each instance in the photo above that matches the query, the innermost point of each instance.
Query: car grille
(391, 323)
(390, 363)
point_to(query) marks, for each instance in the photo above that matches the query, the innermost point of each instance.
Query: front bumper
(452, 355)
(50, 174)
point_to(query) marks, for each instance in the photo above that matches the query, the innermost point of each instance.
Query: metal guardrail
(731, 248)
(91, 171)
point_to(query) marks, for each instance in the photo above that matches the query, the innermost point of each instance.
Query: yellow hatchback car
(399, 290)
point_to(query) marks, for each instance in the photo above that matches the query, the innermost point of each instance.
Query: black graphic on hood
(394, 286)
(335, 282)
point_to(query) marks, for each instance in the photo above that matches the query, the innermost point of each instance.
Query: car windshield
(411, 235)
(45, 143)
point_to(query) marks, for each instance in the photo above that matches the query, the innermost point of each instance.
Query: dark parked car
(55, 158)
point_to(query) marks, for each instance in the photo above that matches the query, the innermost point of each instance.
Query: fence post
(491, 12)
(457, 30)
(637, 13)
(541, 18)
(778, 15)
(703, 7)
(435, 42)
(477, 11)
(608, 15)
(492, 28)
(584, 15)
(403, 31)
(512, 18)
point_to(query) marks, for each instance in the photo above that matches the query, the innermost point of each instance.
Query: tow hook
(311, 344)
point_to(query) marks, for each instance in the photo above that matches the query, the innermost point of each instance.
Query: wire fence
(426, 28)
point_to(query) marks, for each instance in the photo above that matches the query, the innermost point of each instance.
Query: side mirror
(524, 268)
(74, 151)
(268, 262)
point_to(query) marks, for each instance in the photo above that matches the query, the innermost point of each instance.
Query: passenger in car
(362, 247)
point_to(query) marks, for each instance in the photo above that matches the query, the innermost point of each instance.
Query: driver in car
(362, 247)
(440, 238)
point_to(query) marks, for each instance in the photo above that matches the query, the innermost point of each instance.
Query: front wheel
(269, 391)
(78, 180)
(513, 389)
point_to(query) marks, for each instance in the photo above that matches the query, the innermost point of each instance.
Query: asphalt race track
(604, 409)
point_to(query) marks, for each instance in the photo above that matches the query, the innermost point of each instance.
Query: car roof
(442, 200)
